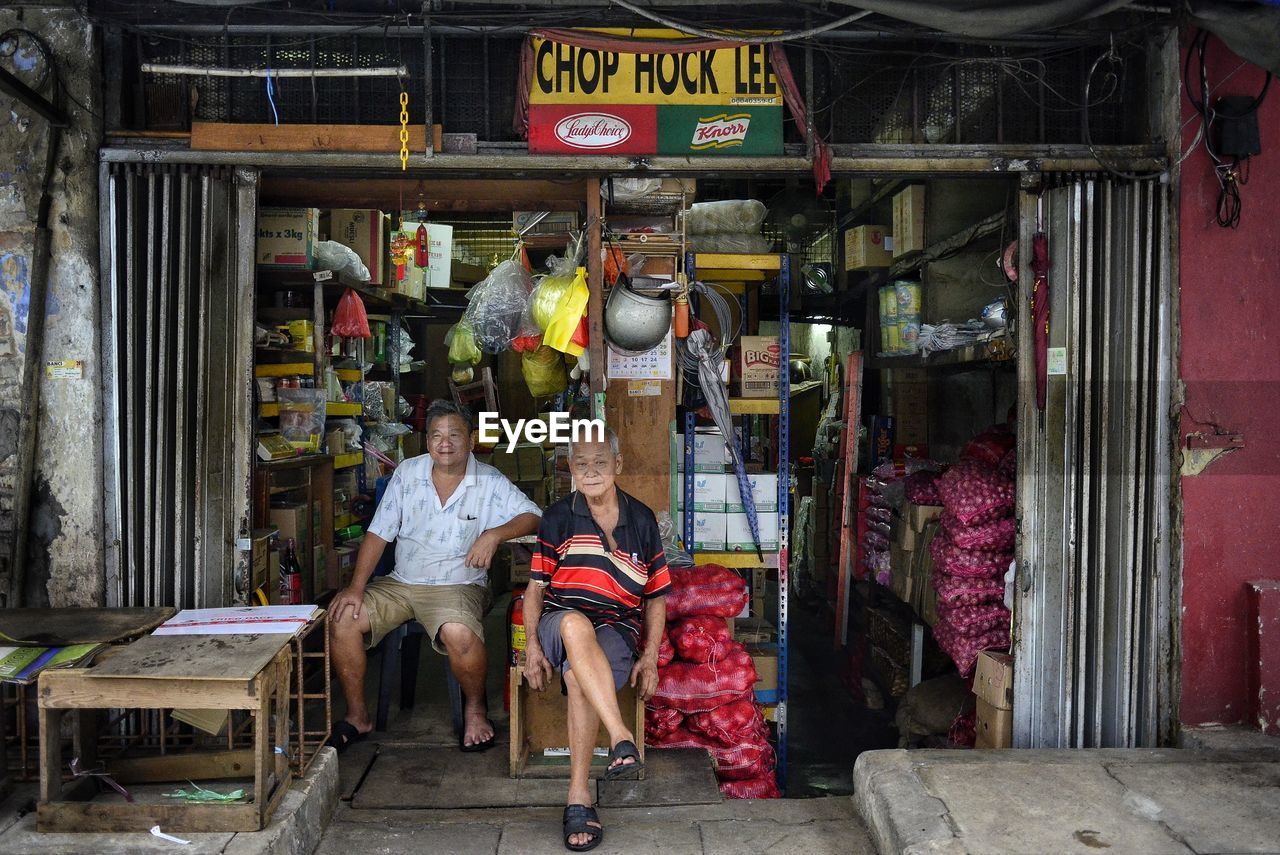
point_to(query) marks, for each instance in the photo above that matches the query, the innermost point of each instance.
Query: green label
(720, 130)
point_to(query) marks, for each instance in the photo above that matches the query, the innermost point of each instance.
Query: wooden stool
(540, 720)
(223, 672)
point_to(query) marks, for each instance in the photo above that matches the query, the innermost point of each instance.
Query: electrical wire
(711, 294)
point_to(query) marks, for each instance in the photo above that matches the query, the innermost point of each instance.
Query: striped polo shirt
(573, 562)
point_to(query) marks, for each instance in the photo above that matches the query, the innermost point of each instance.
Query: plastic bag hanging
(350, 319)
(562, 330)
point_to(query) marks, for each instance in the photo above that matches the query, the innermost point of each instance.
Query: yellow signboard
(728, 77)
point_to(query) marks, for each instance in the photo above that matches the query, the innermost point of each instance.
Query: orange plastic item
(680, 323)
(615, 264)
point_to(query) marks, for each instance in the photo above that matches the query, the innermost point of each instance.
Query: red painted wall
(1230, 363)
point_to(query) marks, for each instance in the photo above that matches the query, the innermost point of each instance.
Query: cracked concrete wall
(65, 532)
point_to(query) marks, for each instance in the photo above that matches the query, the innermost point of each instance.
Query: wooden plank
(849, 510)
(56, 816)
(76, 689)
(50, 753)
(224, 136)
(60, 627)
(236, 658)
(185, 766)
(439, 195)
(644, 440)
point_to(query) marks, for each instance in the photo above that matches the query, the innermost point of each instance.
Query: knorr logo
(593, 130)
(720, 131)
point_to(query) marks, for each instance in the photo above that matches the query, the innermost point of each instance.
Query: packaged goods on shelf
(867, 248)
(363, 230)
(286, 238)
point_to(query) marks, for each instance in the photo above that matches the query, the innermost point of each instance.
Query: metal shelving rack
(748, 270)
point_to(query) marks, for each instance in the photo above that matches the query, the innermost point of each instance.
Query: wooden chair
(479, 395)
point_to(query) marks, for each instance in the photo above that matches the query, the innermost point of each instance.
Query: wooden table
(60, 627)
(226, 672)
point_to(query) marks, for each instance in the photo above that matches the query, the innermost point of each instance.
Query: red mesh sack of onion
(975, 493)
(956, 591)
(975, 621)
(922, 488)
(700, 638)
(699, 687)
(660, 723)
(730, 724)
(744, 761)
(964, 649)
(706, 590)
(765, 787)
(997, 536)
(975, 563)
(990, 446)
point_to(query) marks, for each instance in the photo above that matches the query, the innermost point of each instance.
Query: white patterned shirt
(433, 539)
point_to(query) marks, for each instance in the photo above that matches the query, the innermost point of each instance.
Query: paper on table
(238, 620)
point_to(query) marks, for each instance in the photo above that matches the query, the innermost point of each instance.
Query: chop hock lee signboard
(724, 101)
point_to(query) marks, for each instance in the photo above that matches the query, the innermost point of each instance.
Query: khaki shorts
(389, 603)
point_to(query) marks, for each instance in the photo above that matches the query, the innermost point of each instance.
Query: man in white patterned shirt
(448, 514)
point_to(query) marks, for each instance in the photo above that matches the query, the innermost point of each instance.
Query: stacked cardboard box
(911, 560)
(909, 390)
(908, 221)
(868, 248)
(720, 519)
(993, 684)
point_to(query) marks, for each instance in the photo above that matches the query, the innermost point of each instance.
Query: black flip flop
(344, 735)
(477, 746)
(624, 749)
(577, 819)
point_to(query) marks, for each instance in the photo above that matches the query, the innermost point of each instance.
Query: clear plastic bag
(461, 343)
(726, 217)
(331, 255)
(496, 306)
(302, 414)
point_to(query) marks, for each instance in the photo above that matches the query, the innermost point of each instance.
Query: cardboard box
(319, 569)
(909, 390)
(758, 358)
(911, 527)
(260, 550)
(294, 523)
(764, 490)
(765, 658)
(867, 248)
(993, 679)
(709, 532)
(757, 630)
(273, 577)
(345, 558)
(759, 582)
(520, 569)
(363, 230)
(908, 221)
(554, 223)
(710, 452)
(439, 270)
(287, 237)
(995, 727)
(708, 491)
(738, 533)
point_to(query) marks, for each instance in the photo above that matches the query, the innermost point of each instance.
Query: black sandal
(577, 820)
(624, 749)
(344, 734)
(477, 746)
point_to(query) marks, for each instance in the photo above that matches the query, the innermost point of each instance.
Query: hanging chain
(404, 131)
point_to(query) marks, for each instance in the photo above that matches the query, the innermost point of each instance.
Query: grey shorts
(615, 647)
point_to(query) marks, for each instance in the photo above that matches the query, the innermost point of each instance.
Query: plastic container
(890, 339)
(908, 300)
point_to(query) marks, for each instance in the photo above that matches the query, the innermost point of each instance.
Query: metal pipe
(211, 71)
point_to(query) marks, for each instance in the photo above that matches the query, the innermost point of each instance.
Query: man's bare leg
(470, 663)
(350, 661)
(590, 667)
(583, 726)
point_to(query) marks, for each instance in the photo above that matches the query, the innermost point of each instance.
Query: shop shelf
(343, 520)
(346, 461)
(342, 408)
(768, 406)
(283, 369)
(998, 349)
(269, 411)
(348, 375)
(737, 560)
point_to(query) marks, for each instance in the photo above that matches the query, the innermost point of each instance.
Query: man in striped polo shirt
(595, 611)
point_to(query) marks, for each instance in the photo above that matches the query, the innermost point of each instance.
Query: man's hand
(347, 600)
(537, 668)
(644, 677)
(481, 552)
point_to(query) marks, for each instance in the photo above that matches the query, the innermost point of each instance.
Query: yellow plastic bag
(543, 371)
(563, 323)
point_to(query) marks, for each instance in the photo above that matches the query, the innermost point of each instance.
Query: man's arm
(352, 596)
(644, 676)
(537, 670)
(481, 552)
